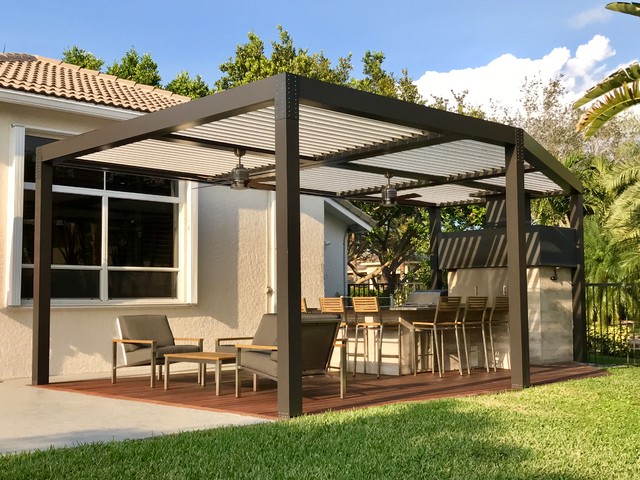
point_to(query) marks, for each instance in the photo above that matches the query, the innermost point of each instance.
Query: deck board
(320, 394)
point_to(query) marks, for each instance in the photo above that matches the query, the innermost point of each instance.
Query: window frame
(186, 234)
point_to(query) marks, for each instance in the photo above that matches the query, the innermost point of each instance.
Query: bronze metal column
(288, 247)
(42, 272)
(516, 264)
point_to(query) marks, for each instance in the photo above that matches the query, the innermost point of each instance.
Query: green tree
(82, 58)
(377, 80)
(401, 233)
(623, 221)
(251, 63)
(183, 84)
(141, 69)
(614, 94)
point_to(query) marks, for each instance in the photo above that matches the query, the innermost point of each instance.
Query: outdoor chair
(445, 319)
(499, 317)
(369, 306)
(144, 340)
(474, 317)
(260, 357)
(336, 305)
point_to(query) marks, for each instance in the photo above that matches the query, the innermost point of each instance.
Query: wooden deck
(320, 394)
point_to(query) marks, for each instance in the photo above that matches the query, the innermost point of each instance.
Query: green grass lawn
(586, 429)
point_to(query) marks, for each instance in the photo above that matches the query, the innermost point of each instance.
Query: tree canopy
(141, 69)
(82, 58)
(183, 84)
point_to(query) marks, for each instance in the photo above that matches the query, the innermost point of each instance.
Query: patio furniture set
(442, 315)
(148, 340)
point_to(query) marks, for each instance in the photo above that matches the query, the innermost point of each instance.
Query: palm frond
(623, 218)
(632, 8)
(615, 80)
(613, 103)
(625, 174)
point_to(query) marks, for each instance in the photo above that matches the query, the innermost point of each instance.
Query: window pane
(65, 283)
(78, 177)
(142, 284)
(30, 145)
(28, 226)
(77, 229)
(142, 234)
(138, 184)
(74, 177)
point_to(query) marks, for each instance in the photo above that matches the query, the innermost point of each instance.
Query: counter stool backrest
(365, 305)
(332, 305)
(500, 310)
(448, 310)
(475, 308)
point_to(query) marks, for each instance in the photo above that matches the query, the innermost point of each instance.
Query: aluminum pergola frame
(284, 147)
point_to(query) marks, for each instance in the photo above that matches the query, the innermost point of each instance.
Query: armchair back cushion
(145, 327)
(267, 332)
(148, 327)
(318, 333)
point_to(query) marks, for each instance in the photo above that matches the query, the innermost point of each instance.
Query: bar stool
(369, 305)
(446, 318)
(499, 317)
(336, 305)
(474, 317)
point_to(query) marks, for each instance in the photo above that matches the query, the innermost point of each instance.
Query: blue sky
(444, 44)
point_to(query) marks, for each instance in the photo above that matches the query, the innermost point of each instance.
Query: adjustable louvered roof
(349, 141)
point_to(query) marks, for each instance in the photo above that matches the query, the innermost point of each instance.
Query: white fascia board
(63, 105)
(346, 215)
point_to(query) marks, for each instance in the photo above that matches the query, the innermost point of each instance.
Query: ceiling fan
(388, 196)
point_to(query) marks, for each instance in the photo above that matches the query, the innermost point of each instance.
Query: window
(116, 237)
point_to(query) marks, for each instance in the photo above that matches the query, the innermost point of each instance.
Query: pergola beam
(208, 109)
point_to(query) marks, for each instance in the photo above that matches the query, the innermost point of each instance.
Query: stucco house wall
(235, 265)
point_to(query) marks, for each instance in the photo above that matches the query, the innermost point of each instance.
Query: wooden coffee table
(202, 358)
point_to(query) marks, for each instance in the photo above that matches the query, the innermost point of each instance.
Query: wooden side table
(201, 358)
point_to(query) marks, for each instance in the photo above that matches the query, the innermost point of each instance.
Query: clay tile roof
(35, 74)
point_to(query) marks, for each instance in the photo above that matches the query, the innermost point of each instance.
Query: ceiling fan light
(389, 196)
(239, 177)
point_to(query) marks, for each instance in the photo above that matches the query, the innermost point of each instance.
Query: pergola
(303, 136)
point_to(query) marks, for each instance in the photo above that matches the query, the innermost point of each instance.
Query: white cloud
(501, 80)
(587, 17)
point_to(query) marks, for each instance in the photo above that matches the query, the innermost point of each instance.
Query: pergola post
(435, 224)
(288, 247)
(516, 263)
(576, 221)
(42, 272)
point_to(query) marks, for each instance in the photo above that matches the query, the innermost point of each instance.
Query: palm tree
(617, 92)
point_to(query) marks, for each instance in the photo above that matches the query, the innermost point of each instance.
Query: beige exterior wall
(550, 309)
(234, 229)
